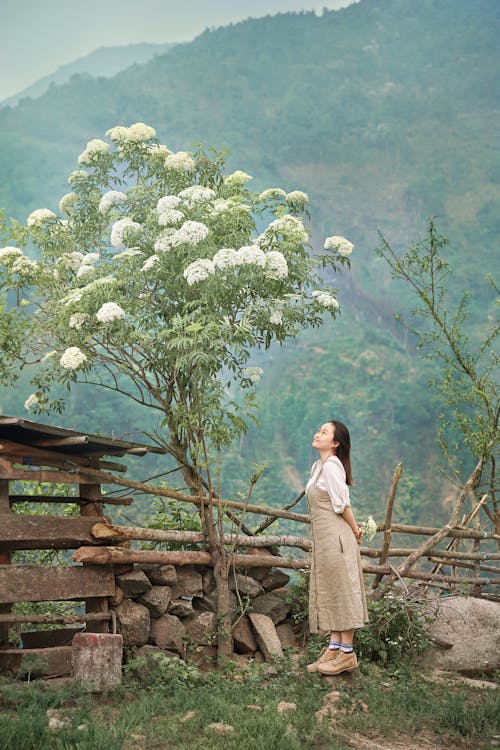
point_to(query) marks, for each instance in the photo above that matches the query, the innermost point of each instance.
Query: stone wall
(173, 609)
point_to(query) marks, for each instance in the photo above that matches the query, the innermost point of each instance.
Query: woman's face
(323, 439)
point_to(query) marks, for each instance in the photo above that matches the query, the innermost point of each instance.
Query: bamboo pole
(387, 523)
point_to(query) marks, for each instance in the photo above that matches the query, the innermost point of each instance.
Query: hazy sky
(37, 36)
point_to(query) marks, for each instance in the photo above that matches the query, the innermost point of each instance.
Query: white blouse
(332, 479)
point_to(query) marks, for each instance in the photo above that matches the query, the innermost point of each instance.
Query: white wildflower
(151, 261)
(91, 258)
(170, 216)
(77, 176)
(198, 270)
(9, 254)
(109, 311)
(340, 244)
(290, 227)
(276, 318)
(276, 265)
(251, 255)
(72, 260)
(31, 402)
(140, 132)
(272, 194)
(167, 202)
(253, 373)
(39, 215)
(131, 252)
(123, 230)
(180, 162)
(67, 203)
(83, 270)
(24, 267)
(109, 199)
(159, 151)
(190, 233)
(78, 319)
(72, 358)
(297, 200)
(162, 243)
(118, 133)
(226, 257)
(325, 299)
(94, 147)
(194, 194)
(369, 528)
(237, 178)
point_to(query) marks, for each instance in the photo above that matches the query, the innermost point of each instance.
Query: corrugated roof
(71, 442)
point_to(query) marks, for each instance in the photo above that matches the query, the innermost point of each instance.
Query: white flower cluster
(272, 194)
(340, 244)
(94, 147)
(67, 203)
(109, 311)
(83, 270)
(110, 199)
(276, 265)
(180, 162)
(72, 260)
(195, 194)
(369, 528)
(87, 263)
(253, 373)
(123, 230)
(162, 243)
(158, 151)
(151, 261)
(170, 216)
(131, 252)
(222, 205)
(325, 299)
(276, 318)
(190, 233)
(137, 132)
(226, 257)
(77, 176)
(251, 255)
(297, 200)
(289, 227)
(237, 178)
(72, 358)
(9, 254)
(77, 320)
(198, 270)
(39, 215)
(31, 402)
(24, 267)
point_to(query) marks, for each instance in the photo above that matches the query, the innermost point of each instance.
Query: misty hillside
(383, 113)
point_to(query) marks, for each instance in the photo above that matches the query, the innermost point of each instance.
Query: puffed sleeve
(334, 478)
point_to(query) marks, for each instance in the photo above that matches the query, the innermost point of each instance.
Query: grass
(148, 712)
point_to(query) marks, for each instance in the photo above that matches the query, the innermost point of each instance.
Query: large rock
(208, 580)
(273, 605)
(150, 654)
(267, 638)
(133, 623)
(258, 573)
(156, 600)
(163, 575)
(208, 603)
(246, 585)
(189, 582)
(243, 637)
(133, 583)
(201, 628)
(465, 633)
(168, 632)
(181, 607)
(97, 660)
(286, 635)
(275, 579)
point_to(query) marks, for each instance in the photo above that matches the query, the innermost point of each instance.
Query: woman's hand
(358, 533)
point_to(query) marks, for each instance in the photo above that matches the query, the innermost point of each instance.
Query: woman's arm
(348, 516)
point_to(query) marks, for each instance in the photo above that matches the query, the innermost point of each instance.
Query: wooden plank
(15, 499)
(20, 531)
(49, 638)
(40, 662)
(5, 512)
(40, 583)
(51, 619)
(7, 471)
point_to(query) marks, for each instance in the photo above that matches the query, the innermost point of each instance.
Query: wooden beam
(58, 441)
(46, 532)
(40, 583)
(52, 619)
(14, 499)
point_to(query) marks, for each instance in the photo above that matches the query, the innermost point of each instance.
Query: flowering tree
(158, 279)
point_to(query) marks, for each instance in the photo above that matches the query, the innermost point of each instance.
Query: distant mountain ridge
(102, 62)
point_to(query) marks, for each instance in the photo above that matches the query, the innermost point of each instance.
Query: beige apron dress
(337, 599)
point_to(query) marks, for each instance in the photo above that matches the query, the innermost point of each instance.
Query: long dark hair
(343, 450)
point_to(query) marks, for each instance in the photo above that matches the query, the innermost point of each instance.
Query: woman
(337, 600)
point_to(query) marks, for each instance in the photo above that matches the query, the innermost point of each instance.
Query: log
(473, 566)
(39, 583)
(387, 524)
(46, 532)
(106, 555)
(15, 499)
(452, 554)
(108, 531)
(386, 570)
(430, 530)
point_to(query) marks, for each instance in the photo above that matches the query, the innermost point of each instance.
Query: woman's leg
(346, 637)
(335, 635)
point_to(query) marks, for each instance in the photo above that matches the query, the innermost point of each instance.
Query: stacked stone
(173, 609)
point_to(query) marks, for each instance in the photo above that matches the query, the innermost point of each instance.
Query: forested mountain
(105, 61)
(383, 113)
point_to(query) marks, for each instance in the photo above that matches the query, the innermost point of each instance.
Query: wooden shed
(36, 452)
